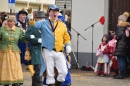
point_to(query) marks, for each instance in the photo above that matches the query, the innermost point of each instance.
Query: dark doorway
(116, 8)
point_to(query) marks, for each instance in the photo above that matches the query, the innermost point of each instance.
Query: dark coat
(121, 45)
(35, 48)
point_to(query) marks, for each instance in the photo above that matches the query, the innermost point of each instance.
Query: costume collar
(13, 28)
(21, 20)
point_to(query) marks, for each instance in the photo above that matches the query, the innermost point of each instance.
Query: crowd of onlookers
(3, 16)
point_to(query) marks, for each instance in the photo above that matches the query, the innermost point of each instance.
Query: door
(116, 8)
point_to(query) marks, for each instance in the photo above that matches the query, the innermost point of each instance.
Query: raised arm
(36, 24)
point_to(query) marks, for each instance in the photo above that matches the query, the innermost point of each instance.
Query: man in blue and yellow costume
(54, 38)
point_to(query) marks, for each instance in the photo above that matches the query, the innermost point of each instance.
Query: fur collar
(13, 29)
(123, 24)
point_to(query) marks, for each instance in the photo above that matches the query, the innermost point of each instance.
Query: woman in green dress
(10, 64)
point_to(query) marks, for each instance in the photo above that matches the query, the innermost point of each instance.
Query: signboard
(61, 4)
(11, 4)
(11, 1)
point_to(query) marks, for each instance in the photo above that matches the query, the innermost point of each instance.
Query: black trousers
(36, 78)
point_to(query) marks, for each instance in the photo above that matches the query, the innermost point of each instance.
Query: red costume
(102, 62)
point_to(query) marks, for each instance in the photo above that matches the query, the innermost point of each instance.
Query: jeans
(121, 63)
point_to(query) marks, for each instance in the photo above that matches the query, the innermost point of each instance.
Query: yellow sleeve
(66, 37)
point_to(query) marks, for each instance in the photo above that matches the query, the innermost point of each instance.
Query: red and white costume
(103, 59)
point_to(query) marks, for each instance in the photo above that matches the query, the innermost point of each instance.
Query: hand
(103, 48)
(40, 40)
(32, 36)
(68, 49)
(69, 65)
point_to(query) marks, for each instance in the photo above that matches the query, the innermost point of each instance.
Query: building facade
(20, 4)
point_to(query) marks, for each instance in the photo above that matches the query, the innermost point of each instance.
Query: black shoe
(118, 77)
(121, 75)
(98, 74)
(68, 85)
(16, 84)
(104, 74)
(6, 85)
(58, 83)
(114, 76)
(51, 85)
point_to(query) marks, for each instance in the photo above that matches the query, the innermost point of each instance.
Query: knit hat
(107, 37)
(124, 16)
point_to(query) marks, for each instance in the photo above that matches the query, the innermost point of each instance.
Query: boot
(16, 84)
(51, 85)
(121, 75)
(58, 83)
(6, 85)
(30, 67)
(115, 74)
(68, 85)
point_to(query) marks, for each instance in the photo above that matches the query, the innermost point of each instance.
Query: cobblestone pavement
(84, 78)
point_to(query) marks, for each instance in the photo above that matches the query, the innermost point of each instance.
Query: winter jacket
(121, 45)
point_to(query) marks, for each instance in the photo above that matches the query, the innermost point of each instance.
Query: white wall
(84, 14)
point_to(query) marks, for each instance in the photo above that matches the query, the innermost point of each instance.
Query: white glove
(40, 40)
(68, 49)
(32, 36)
(69, 65)
(30, 16)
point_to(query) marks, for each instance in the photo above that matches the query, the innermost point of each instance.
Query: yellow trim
(11, 39)
(14, 28)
